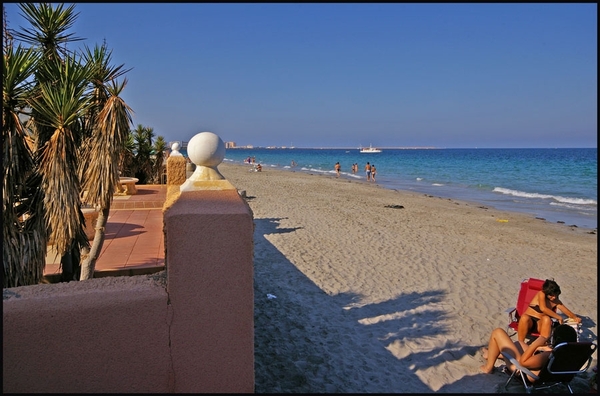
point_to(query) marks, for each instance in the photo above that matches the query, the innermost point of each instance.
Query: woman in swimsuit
(533, 357)
(542, 308)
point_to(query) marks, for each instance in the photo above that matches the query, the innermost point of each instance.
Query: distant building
(230, 145)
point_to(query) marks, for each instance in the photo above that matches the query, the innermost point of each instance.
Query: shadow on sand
(302, 344)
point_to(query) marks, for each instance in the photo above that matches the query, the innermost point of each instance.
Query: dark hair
(551, 288)
(563, 333)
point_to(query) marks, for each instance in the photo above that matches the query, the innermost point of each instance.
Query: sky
(497, 75)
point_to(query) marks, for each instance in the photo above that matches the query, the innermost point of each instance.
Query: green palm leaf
(49, 27)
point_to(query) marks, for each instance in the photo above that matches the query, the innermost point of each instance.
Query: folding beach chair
(529, 288)
(567, 360)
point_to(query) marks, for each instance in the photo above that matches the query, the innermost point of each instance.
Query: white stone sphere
(206, 149)
(175, 146)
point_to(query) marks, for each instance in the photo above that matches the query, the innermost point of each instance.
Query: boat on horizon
(370, 149)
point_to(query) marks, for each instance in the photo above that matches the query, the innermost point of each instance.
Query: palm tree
(24, 238)
(127, 156)
(58, 103)
(159, 148)
(74, 103)
(107, 124)
(143, 137)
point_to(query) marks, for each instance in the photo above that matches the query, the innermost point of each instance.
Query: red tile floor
(134, 239)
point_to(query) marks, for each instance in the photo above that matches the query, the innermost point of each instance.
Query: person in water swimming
(542, 308)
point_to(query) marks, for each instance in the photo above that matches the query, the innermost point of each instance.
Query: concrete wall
(189, 328)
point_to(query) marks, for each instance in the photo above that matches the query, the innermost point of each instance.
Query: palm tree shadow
(141, 190)
(309, 341)
(301, 331)
(122, 230)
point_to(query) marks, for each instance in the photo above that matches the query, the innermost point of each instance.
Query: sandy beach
(364, 289)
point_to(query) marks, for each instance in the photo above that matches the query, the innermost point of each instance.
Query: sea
(555, 184)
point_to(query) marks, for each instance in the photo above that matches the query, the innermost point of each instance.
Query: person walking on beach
(373, 172)
(337, 169)
(368, 171)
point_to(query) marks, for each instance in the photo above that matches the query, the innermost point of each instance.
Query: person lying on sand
(533, 356)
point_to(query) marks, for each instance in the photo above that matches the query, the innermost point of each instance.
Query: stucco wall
(98, 335)
(187, 329)
(219, 293)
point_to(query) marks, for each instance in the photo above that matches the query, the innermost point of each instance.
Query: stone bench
(127, 186)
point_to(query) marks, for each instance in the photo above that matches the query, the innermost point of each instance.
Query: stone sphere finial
(175, 149)
(207, 151)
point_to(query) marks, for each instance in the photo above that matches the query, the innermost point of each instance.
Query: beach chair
(567, 360)
(529, 288)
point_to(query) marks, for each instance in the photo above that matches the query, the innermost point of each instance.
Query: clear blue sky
(344, 75)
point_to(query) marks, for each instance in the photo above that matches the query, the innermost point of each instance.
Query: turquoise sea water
(554, 184)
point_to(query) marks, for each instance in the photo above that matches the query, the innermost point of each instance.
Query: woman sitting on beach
(533, 356)
(542, 308)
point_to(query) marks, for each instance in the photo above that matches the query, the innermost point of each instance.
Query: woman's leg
(499, 342)
(545, 326)
(525, 322)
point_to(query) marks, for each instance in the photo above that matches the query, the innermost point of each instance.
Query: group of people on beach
(537, 318)
(370, 170)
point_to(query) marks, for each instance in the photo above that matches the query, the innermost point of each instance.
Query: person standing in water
(368, 171)
(337, 169)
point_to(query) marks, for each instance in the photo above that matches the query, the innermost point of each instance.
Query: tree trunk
(89, 263)
(69, 262)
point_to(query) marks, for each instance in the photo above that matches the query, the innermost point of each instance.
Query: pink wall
(210, 236)
(190, 329)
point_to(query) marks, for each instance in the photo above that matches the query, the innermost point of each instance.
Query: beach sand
(354, 296)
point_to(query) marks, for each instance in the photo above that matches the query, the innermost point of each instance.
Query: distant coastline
(335, 148)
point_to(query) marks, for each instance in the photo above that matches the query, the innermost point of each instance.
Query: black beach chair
(567, 360)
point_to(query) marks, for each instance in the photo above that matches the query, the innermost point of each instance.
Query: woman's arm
(529, 359)
(568, 312)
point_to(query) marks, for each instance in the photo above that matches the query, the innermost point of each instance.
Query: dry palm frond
(24, 240)
(64, 219)
(57, 110)
(100, 175)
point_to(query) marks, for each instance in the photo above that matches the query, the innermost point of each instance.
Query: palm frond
(61, 99)
(18, 66)
(101, 173)
(64, 219)
(24, 241)
(49, 27)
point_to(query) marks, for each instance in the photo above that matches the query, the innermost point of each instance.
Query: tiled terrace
(134, 241)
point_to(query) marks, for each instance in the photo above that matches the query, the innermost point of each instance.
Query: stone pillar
(209, 257)
(176, 172)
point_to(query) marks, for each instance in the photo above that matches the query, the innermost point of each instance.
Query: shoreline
(360, 288)
(391, 187)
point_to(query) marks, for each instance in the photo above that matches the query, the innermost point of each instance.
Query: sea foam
(558, 198)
